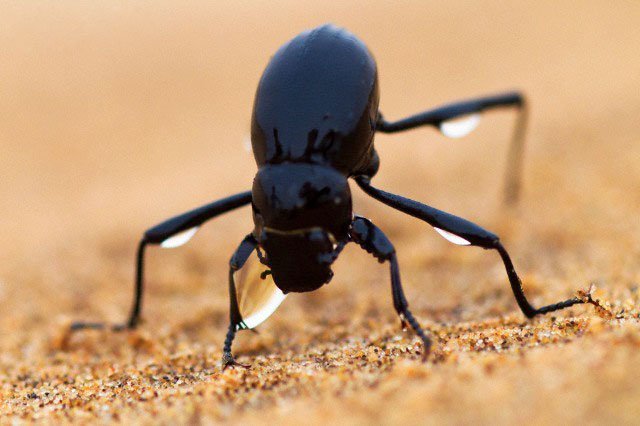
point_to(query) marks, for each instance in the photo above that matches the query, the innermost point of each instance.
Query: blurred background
(117, 115)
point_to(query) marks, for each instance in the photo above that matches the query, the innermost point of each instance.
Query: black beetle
(314, 119)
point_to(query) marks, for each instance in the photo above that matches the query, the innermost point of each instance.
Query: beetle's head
(301, 212)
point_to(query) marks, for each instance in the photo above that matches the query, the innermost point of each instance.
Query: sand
(116, 116)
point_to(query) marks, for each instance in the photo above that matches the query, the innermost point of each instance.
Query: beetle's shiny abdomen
(317, 102)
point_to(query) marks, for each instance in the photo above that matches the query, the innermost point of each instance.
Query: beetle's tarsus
(587, 295)
(229, 361)
(557, 306)
(601, 309)
(516, 286)
(77, 326)
(122, 327)
(426, 342)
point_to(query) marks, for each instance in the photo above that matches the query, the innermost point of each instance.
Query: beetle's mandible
(314, 119)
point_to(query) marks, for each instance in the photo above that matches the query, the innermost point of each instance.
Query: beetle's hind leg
(368, 236)
(239, 258)
(442, 117)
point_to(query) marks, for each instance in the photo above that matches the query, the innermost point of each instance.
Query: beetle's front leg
(368, 236)
(239, 258)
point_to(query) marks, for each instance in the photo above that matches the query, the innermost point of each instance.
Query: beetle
(314, 119)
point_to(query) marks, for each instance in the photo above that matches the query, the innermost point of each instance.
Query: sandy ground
(116, 116)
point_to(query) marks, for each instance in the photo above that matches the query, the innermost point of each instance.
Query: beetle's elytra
(314, 120)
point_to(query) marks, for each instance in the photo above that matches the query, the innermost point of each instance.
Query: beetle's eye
(180, 238)
(257, 294)
(460, 126)
(452, 238)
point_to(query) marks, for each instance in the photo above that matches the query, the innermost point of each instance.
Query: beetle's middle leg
(166, 232)
(462, 232)
(368, 236)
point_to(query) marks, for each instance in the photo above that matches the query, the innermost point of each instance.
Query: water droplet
(180, 238)
(460, 126)
(453, 238)
(257, 294)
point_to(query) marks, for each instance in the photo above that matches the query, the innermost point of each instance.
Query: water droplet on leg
(452, 238)
(460, 126)
(180, 238)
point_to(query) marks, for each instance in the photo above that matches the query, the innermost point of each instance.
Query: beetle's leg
(440, 116)
(239, 258)
(462, 232)
(170, 233)
(372, 239)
